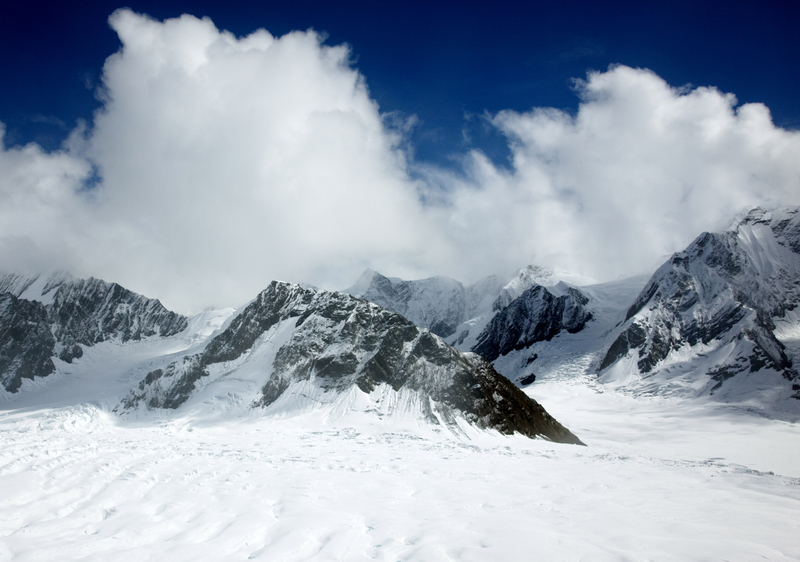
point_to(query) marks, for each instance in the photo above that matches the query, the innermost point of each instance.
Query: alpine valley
(401, 420)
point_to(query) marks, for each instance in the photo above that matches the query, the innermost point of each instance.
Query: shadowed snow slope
(294, 348)
(439, 304)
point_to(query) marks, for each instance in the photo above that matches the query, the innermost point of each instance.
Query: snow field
(661, 479)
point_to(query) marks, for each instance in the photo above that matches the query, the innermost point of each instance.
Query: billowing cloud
(637, 173)
(39, 209)
(226, 162)
(219, 163)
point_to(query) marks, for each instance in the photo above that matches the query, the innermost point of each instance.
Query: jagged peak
(39, 285)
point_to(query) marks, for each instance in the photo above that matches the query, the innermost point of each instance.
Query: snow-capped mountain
(289, 350)
(293, 348)
(48, 317)
(440, 304)
(720, 318)
(490, 318)
(711, 319)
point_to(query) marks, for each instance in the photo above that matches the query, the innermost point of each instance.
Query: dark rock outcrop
(536, 315)
(26, 344)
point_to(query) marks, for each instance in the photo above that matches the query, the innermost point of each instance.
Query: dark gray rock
(26, 343)
(536, 315)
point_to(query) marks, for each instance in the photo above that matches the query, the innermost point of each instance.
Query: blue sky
(196, 160)
(447, 63)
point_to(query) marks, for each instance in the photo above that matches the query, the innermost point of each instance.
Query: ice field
(660, 479)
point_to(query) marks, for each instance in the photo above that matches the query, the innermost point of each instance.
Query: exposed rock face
(26, 343)
(336, 342)
(536, 315)
(78, 312)
(725, 289)
(90, 311)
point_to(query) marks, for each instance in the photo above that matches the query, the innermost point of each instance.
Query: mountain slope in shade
(44, 318)
(27, 346)
(536, 315)
(292, 347)
(708, 320)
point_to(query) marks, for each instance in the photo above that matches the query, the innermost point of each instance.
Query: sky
(196, 157)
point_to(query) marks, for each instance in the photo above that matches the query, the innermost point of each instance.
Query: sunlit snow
(661, 478)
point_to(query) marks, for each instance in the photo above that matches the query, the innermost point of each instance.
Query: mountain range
(289, 350)
(719, 320)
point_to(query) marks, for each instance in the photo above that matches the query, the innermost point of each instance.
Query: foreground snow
(661, 479)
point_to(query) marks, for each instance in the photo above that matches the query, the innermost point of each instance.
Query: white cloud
(227, 162)
(38, 207)
(638, 172)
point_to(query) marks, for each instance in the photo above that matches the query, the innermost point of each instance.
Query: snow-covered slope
(707, 321)
(48, 318)
(294, 348)
(439, 304)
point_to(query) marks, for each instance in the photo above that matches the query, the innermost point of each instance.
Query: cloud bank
(637, 173)
(220, 163)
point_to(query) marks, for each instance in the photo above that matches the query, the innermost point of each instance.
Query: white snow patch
(661, 479)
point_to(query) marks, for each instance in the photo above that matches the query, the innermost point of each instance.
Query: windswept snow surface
(661, 479)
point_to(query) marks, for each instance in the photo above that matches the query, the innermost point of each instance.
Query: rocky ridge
(43, 318)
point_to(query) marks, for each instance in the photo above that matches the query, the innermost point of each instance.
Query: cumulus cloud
(227, 162)
(637, 173)
(220, 163)
(39, 209)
